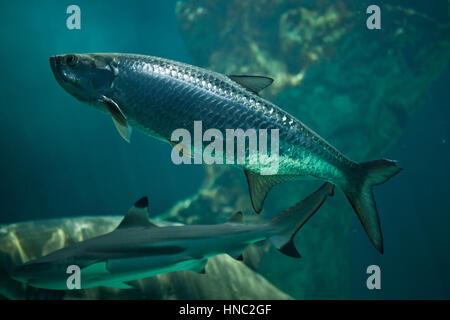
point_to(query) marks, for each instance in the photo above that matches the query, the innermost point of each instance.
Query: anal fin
(259, 186)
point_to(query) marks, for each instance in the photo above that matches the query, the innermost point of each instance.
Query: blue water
(414, 210)
(60, 158)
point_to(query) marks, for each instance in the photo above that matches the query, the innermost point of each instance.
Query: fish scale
(219, 103)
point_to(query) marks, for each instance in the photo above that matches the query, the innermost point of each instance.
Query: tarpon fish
(158, 96)
(137, 248)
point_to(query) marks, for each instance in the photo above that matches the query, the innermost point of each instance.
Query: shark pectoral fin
(182, 150)
(119, 118)
(237, 255)
(119, 285)
(236, 218)
(97, 267)
(120, 265)
(202, 271)
(133, 283)
(259, 186)
(253, 83)
(200, 267)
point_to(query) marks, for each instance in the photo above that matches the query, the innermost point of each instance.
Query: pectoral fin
(259, 186)
(119, 118)
(182, 150)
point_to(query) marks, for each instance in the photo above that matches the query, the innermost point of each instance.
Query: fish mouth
(55, 62)
(69, 78)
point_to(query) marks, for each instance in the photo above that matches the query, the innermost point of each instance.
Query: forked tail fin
(359, 193)
(290, 221)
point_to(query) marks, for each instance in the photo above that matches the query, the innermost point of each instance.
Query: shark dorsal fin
(253, 83)
(236, 218)
(137, 216)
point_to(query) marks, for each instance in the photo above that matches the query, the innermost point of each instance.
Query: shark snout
(19, 273)
(27, 271)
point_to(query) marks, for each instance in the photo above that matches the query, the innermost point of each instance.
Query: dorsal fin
(259, 186)
(236, 218)
(253, 83)
(137, 216)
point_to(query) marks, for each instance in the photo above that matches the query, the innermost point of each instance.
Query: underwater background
(370, 93)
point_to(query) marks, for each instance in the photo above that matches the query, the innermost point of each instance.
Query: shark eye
(71, 60)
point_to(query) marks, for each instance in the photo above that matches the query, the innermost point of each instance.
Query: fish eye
(71, 60)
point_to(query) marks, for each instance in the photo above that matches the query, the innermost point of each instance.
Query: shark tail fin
(359, 193)
(288, 222)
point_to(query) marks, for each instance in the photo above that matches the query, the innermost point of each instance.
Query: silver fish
(158, 96)
(138, 249)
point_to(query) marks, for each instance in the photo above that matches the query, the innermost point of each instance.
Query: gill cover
(85, 76)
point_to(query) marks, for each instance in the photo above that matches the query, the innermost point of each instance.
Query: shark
(138, 248)
(158, 96)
